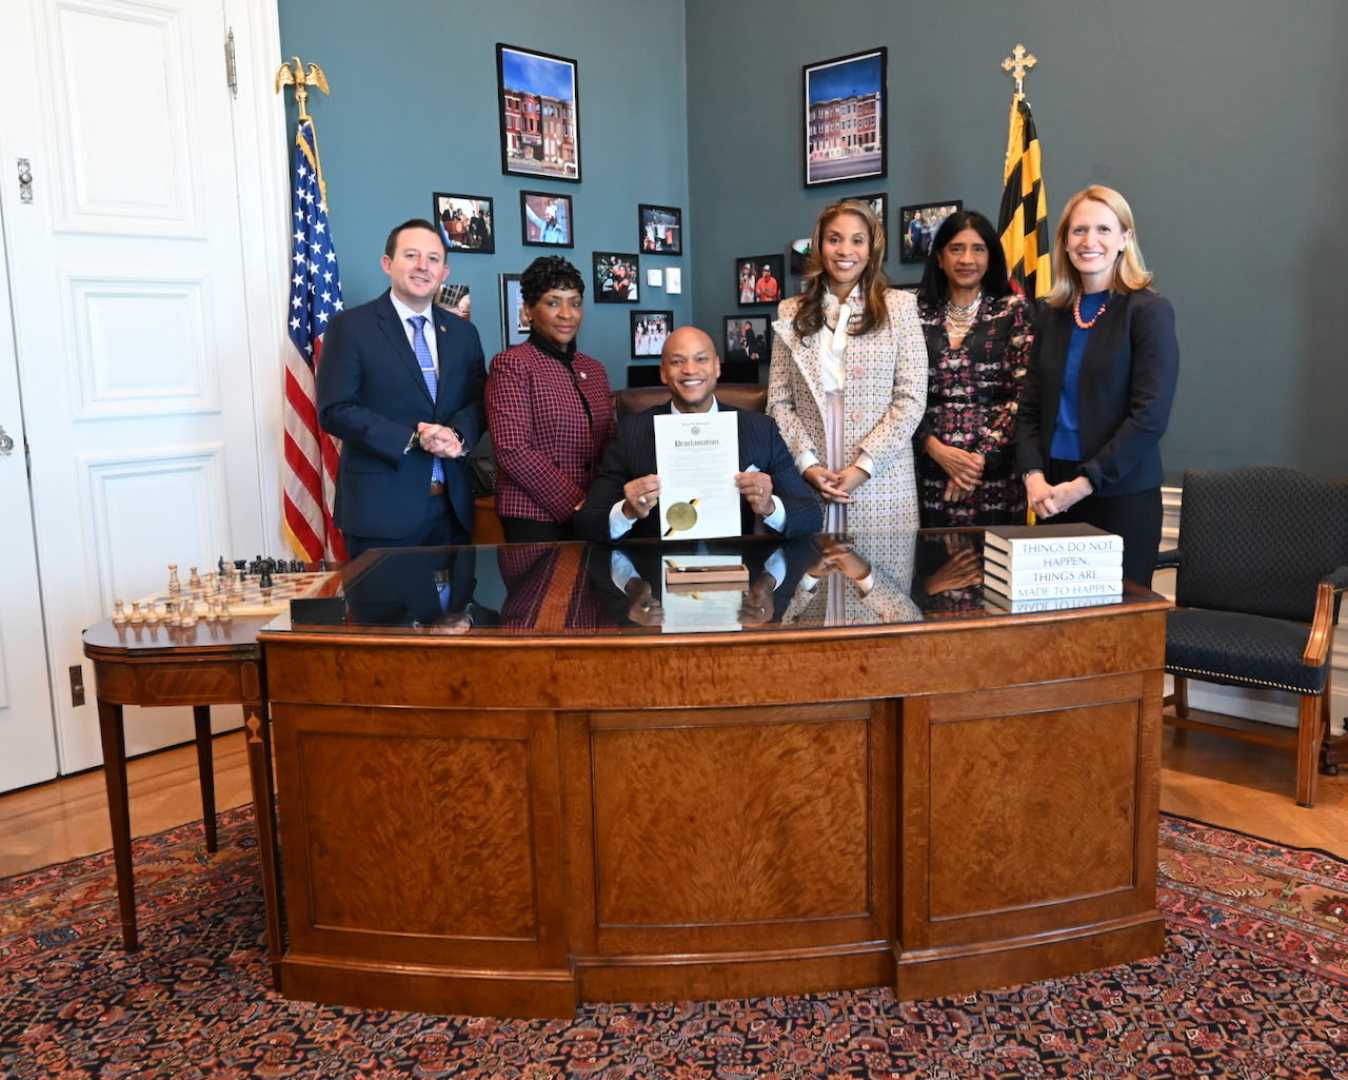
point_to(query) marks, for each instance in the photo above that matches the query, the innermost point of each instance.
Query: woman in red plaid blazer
(549, 410)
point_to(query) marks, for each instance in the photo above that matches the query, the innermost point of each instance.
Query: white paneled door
(128, 297)
(27, 741)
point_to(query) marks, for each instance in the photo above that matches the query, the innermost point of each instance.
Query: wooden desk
(209, 664)
(557, 805)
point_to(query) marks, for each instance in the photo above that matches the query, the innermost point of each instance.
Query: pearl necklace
(959, 318)
(1076, 314)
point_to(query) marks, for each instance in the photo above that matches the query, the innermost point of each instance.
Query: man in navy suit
(400, 383)
(627, 489)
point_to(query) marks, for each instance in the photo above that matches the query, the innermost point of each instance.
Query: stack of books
(1049, 567)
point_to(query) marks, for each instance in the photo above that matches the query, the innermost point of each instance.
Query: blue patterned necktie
(427, 365)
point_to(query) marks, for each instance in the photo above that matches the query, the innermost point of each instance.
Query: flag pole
(293, 74)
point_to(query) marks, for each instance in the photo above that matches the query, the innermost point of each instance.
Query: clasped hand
(438, 440)
(963, 467)
(1047, 499)
(839, 557)
(836, 486)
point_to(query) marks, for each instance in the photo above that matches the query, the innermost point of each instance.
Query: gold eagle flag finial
(1018, 65)
(293, 74)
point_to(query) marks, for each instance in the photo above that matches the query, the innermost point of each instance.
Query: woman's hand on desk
(827, 483)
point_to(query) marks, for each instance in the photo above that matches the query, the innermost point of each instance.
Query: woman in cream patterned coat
(848, 383)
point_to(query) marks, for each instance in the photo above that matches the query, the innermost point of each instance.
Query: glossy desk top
(536, 591)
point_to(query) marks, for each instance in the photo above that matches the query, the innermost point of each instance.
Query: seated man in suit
(400, 383)
(627, 489)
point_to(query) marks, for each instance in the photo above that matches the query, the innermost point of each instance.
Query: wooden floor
(1206, 777)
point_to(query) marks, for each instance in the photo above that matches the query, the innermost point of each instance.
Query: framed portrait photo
(659, 229)
(514, 322)
(546, 219)
(616, 278)
(467, 223)
(758, 279)
(746, 339)
(918, 225)
(539, 99)
(879, 202)
(845, 109)
(649, 330)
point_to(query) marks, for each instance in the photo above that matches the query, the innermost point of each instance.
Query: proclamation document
(697, 456)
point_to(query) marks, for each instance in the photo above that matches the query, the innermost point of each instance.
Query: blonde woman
(1101, 382)
(848, 382)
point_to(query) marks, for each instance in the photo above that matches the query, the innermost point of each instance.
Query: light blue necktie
(427, 365)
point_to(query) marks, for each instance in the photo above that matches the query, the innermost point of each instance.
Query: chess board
(249, 599)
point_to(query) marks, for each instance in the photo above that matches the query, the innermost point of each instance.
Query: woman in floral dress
(978, 335)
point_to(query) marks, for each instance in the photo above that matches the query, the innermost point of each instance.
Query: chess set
(241, 589)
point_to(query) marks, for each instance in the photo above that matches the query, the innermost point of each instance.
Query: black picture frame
(914, 249)
(604, 264)
(732, 348)
(651, 349)
(833, 118)
(776, 268)
(478, 236)
(538, 138)
(535, 202)
(653, 217)
(514, 326)
(881, 212)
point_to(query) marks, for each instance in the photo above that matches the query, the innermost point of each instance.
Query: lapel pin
(581, 374)
(440, 327)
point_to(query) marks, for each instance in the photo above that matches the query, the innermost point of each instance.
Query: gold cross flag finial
(1017, 65)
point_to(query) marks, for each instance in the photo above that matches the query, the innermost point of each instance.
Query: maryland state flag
(1023, 221)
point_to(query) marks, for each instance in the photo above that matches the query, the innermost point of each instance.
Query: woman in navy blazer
(1101, 382)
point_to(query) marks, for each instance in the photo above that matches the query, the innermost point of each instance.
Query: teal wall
(1222, 121)
(413, 111)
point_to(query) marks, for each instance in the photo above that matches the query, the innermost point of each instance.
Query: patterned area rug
(1253, 982)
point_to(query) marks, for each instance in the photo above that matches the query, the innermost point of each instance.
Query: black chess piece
(264, 579)
(220, 566)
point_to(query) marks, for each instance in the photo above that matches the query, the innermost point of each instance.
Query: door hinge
(25, 180)
(231, 67)
(76, 686)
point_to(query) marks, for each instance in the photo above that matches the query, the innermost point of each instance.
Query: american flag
(315, 296)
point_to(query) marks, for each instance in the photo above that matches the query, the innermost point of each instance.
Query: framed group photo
(514, 322)
(649, 330)
(747, 339)
(538, 95)
(845, 108)
(466, 222)
(546, 219)
(758, 279)
(918, 225)
(659, 229)
(616, 278)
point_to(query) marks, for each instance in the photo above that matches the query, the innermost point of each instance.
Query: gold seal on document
(681, 516)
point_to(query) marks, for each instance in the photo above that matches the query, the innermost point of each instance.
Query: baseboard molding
(1267, 705)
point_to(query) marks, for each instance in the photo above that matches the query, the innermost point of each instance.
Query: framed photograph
(539, 99)
(659, 229)
(546, 219)
(616, 278)
(649, 330)
(514, 322)
(746, 339)
(466, 222)
(917, 226)
(845, 109)
(758, 279)
(879, 202)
